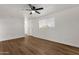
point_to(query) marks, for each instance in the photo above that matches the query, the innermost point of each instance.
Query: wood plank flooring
(35, 46)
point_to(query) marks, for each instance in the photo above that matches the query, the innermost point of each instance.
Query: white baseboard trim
(53, 40)
(10, 38)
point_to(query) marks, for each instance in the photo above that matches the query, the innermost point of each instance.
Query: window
(47, 23)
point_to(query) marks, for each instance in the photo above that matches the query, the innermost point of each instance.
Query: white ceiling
(17, 10)
(52, 8)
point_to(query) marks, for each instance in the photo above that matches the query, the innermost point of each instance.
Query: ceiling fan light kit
(33, 9)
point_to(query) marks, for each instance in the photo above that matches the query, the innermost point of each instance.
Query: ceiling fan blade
(37, 12)
(31, 6)
(30, 13)
(39, 8)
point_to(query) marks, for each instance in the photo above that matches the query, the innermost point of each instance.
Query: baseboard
(54, 42)
(14, 38)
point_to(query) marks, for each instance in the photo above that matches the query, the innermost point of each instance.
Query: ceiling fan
(33, 9)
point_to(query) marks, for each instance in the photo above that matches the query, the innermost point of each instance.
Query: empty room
(39, 29)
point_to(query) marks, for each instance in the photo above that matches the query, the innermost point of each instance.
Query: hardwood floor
(35, 46)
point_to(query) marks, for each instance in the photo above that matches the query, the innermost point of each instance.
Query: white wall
(11, 28)
(66, 28)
